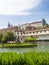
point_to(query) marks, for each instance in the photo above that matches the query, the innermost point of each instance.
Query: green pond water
(43, 47)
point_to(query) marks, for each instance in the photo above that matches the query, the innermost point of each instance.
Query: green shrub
(30, 39)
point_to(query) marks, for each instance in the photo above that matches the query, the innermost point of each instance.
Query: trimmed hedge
(30, 58)
(14, 45)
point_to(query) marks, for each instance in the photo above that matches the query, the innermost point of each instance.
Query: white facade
(41, 34)
(38, 24)
(33, 24)
(29, 29)
(28, 33)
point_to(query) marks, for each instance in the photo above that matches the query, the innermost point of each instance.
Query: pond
(43, 47)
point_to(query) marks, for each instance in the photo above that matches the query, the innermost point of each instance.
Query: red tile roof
(15, 28)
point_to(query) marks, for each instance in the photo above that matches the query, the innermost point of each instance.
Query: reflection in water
(41, 47)
(44, 47)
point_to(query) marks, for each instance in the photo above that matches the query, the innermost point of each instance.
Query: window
(44, 30)
(36, 32)
(17, 32)
(24, 33)
(27, 33)
(30, 32)
(21, 39)
(33, 32)
(21, 33)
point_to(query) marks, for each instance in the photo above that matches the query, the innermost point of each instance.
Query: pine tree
(9, 24)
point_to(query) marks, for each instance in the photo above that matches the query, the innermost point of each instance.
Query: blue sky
(23, 11)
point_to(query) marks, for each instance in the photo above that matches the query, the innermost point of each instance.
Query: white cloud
(17, 7)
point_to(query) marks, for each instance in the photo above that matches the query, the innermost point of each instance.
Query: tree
(46, 25)
(9, 36)
(30, 39)
(9, 24)
(18, 40)
(1, 35)
(44, 21)
(4, 39)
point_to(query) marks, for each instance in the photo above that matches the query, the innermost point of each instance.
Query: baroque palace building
(36, 29)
